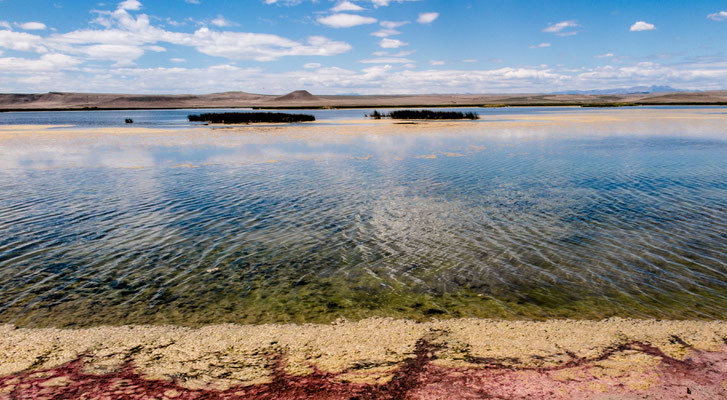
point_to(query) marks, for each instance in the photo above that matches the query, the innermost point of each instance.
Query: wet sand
(374, 358)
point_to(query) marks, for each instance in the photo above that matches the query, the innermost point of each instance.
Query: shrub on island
(425, 114)
(251, 117)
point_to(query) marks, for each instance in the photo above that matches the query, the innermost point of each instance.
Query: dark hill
(298, 95)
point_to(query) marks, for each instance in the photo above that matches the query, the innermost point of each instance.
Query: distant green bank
(424, 114)
(250, 117)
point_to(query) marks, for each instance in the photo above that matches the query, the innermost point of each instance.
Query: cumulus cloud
(540, 46)
(346, 6)
(384, 76)
(427, 18)
(22, 41)
(436, 62)
(125, 37)
(642, 26)
(393, 24)
(563, 28)
(220, 21)
(605, 55)
(343, 20)
(391, 43)
(385, 33)
(311, 65)
(387, 60)
(178, 60)
(32, 26)
(4, 24)
(46, 62)
(718, 16)
(130, 5)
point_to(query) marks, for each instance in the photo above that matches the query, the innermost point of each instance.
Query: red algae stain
(702, 376)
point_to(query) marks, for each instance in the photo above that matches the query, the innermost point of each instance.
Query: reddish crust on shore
(702, 376)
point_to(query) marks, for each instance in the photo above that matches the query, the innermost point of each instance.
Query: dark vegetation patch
(251, 117)
(598, 105)
(424, 114)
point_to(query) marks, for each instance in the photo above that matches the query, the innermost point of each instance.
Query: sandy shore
(374, 358)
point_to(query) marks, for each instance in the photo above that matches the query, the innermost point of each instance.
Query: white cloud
(346, 6)
(385, 78)
(385, 33)
(391, 43)
(427, 18)
(259, 46)
(606, 55)
(469, 60)
(387, 60)
(178, 60)
(436, 62)
(642, 26)
(284, 2)
(384, 3)
(192, 1)
(22, 41)
(220, 21)
(343, 20)
(32, 26)
(311, 65)
(393, 24)
(121, 54)
(4, 24)
(540, 46)
(46, 62)
(126, 38)
(718, 16)
(129, 5)
(562, 28)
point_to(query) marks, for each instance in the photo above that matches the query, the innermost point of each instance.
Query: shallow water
(577, 213)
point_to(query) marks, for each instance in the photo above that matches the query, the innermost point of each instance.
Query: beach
(374, 358)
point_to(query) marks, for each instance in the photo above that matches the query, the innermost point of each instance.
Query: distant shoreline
(353, 107)
(302, 100)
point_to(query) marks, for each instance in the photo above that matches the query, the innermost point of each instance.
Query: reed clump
(250, 117)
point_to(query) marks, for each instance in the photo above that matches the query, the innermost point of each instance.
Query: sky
(360, 46)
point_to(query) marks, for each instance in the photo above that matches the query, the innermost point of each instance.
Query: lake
(527, 213)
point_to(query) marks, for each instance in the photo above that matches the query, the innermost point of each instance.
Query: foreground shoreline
(372, 358)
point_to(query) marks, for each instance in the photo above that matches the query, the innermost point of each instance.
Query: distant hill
(656, 95)
(631, 90)
(298, 95)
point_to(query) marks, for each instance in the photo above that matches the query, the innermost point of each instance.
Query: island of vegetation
(250, 117)
(424, 114)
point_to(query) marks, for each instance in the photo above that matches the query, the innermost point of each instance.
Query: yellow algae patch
(363, 351)
(449, 154)
(428, 156)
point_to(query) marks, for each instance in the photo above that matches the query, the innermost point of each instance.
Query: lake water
(526, 213)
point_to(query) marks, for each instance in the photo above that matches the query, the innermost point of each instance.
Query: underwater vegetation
(250, 117)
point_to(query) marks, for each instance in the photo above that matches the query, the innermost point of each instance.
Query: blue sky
(360, 46)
